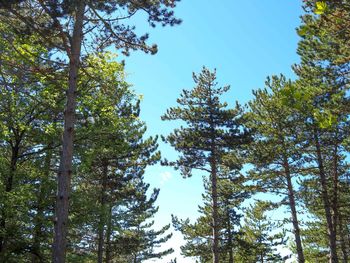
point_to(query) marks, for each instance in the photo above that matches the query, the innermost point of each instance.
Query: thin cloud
(164, 177)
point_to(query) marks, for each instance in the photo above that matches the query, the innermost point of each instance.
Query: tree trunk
(325, 199)
(213, 178)
(335, 187)
(229, 241)
(108, 236)
(292, 206)
(36, 248)
(8, 188)
(65, 169)
(215, 225)
(102, 222)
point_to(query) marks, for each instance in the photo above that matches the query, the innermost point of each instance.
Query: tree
(211, 138)
(137, 241)
(29, 107)
(65, 26)
(323, 100)
(258, 235)
(113, 154)
(315, 233)
(110, 159)
(277, 151)
(198, 236)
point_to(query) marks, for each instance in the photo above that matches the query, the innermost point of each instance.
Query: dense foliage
(74, 149)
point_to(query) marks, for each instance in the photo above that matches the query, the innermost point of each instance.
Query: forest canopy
(75, 149)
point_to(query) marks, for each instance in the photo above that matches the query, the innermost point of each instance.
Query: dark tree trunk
(8, 188)
(36, 248)
(65, 170)
(335, 187)
(108, 236)
(325, 199)
(213, 179)
(102, 222)
(215, 219)
(229, 234)
(292, 206)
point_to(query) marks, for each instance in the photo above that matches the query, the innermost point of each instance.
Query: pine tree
(137, 240)
(198, 235)
(277, 151)
(211, 135)
(324, 100)
(260, 241)
(113, 155)
(315, 232)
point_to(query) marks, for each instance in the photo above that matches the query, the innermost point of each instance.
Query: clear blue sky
(246, 41)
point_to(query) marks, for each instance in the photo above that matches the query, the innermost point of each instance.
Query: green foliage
(298, 133)
(259, 238)
(212, 141)
(108, 129)
(232, 193)
(208, 122)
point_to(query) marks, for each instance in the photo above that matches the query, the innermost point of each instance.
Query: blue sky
(246, 41)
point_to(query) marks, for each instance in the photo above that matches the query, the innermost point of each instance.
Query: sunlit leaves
(295, 97)
(321, 7)
(325, 119)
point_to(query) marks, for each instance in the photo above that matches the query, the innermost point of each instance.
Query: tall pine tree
(211, 138)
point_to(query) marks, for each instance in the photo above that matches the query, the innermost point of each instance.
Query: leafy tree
(29, 106)
(65, 26)
(109, 137)
(113, 155)
(211, 137)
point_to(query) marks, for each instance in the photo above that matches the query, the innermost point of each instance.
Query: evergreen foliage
(74, 151)
(211, 141)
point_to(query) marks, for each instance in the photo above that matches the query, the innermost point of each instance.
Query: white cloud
(164, 177)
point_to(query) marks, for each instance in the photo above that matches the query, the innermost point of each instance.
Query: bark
(295, 222)
(229, 241)
(325, 199)
(213, 178)
(108, 236)
(102, 222)
(65, 170)
(347, 230)
(8, 188)
(347, 236)
(215, 218)
(335, 187)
